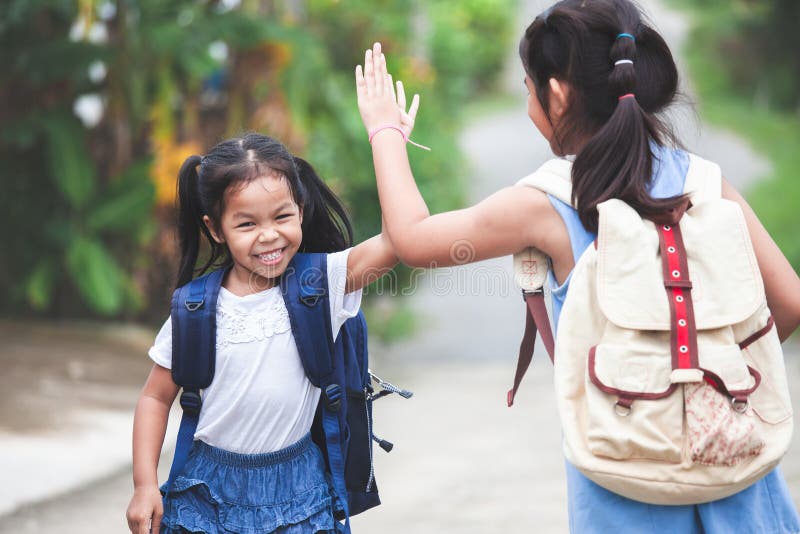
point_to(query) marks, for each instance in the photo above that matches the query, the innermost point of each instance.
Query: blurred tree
(746, 69)
(102, 100)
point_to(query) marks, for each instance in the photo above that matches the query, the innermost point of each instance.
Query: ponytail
(617, 161)
(326, 226)
(622, 75)
(190, 223)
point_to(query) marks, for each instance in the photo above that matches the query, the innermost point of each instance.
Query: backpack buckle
(191, 402)
(527, 292)
(309, 300)
(194, 305)
(333, 397)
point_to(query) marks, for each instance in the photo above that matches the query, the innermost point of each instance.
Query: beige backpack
(669, 375)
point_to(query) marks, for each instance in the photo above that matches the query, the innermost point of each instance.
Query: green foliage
(91, 205)
(88, 215)
(70, 167)
(96, 273)
(389, 322)
(729, 98)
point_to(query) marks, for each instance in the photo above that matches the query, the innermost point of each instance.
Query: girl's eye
(284, 216)
(244, 225)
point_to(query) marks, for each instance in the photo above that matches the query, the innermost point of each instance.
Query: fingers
(385, 78)
(369, 73)
(155, 528)
(412, 111)
(391, 87)
(378, 69)
(361, 83)
(144, 526)
(374, 79)
(401, 96)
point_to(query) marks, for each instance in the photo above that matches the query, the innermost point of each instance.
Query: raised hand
(378, 102)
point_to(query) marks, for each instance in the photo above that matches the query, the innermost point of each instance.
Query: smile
(272, 257)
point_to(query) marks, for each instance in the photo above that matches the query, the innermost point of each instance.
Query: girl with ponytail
(253, 466)
(598, 78)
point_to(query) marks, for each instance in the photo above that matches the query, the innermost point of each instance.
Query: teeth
(271, 256)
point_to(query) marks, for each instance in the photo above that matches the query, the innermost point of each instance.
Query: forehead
(264, 192)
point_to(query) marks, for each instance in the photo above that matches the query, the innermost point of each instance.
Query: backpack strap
(530, 271)
(305, 292)
(703, 180)
(194, 336)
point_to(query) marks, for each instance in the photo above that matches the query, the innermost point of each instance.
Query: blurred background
(101, 102)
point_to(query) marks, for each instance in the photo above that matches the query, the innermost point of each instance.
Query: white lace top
(260, 399)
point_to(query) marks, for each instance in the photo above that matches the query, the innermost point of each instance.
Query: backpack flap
(725, 280)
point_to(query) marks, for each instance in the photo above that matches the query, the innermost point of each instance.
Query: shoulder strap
(703, 180)
(530, 271)
(305, 292)
(531, 264)
(554, 178)
(194, 331)
(194, 335)
(304, 285)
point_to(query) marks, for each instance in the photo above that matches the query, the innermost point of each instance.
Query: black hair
(202, 182)
(578, 42)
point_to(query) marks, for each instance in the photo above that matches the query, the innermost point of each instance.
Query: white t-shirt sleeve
(161, 351)
(343, 305)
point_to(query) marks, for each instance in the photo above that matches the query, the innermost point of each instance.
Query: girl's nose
(267, 234)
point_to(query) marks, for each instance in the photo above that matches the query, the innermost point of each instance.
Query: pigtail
(190, 223)
(326, 225)
(190, 219)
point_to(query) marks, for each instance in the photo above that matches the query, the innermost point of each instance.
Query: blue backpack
(342, 426)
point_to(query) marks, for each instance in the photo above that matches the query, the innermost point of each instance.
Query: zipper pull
(389, 387)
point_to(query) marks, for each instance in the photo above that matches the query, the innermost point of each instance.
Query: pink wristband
(377, 129)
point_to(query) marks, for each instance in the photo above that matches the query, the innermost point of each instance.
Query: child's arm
(781, 283)
(370, 260)
(149, 427)
(500, 225)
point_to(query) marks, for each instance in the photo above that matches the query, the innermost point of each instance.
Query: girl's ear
(559, 98)
(211, 228)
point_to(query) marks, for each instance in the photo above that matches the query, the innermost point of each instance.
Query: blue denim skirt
(285, 492)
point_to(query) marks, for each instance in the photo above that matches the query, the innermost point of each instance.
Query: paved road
(463, 462)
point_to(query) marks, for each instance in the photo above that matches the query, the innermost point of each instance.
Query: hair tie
(546, 14)
(623, 61)
(629, 36)
(628, 95)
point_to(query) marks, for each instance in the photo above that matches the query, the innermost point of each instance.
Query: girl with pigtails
(598, 79)
(253, 466)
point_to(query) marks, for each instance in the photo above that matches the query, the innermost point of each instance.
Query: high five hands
(380, 106)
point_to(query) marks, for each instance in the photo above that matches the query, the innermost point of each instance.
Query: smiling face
(260, 225)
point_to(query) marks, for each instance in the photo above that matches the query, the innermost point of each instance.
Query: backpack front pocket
(720, 423)
(633, 410)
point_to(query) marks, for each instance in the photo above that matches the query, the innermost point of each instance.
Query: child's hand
(145, 506)
(377, 101)
(406, 117)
